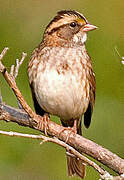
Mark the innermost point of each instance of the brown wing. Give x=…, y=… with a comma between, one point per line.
x=32, y=74
x=37, y=107
x=88, y=113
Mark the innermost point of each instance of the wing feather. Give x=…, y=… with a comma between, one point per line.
x=89, y=111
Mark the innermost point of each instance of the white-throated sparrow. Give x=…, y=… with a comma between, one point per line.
x=61, y=76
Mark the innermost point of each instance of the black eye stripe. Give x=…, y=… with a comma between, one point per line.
x=73, y=24
x=62, y=26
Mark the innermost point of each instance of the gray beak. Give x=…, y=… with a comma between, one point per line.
x=89, y=27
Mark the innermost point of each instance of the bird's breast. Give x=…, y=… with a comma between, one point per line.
x=61, y=84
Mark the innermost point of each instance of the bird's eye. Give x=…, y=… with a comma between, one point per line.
x=73, y=24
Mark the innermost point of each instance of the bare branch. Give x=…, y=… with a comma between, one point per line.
x=10, y=80
x=79, y=143
x=71, y=151
x=15, y=69
x=55, y=140
x=14, y=72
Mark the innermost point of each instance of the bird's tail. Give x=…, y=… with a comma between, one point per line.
x=74, y=165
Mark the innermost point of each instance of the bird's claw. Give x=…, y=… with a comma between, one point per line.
x=44, y=123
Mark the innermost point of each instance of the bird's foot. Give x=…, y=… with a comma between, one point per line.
x=44, y=123
x=71, y=130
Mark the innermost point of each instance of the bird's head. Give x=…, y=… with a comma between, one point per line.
x=68, y=28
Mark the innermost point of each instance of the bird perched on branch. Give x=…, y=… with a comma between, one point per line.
x=62, y=78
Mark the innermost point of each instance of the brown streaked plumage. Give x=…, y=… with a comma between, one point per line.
x=61, y=76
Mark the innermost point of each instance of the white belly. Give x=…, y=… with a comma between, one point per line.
x=62, y=94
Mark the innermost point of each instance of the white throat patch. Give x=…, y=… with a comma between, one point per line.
x=78, y=39
x=84, y=38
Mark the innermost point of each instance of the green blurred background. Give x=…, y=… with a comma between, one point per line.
x=21, y=27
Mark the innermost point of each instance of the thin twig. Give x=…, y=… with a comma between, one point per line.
x=10, y=80
x=61, y=143
x=72, y=152
x=2, y=68
x=14, y=72
x=119, y=55
x=15, y=69
x=3, y=53
x=16, y=134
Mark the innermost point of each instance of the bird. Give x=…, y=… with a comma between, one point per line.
x=61, y=76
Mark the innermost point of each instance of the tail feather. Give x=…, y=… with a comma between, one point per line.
x=75, y=167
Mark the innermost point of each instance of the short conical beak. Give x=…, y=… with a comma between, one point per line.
x=89, y=27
